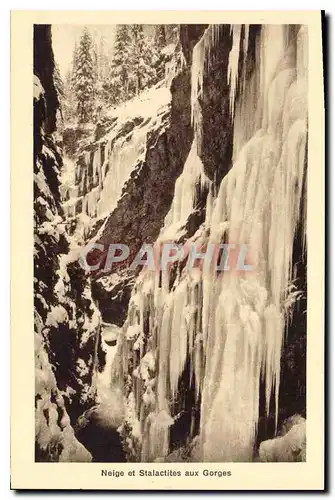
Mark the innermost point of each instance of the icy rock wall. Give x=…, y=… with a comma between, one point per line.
x=147, y=194
x=67, y=323
x=227, y=332
x=106, y=160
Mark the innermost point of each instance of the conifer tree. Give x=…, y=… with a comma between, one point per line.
x=143, y=74
x=83, y=77
x=103, y=64
x=69, y=101
x=116, y=87
x=74, y=65
x=160, y=37
x=59, y=85
x=161, y=57
x=172, y=33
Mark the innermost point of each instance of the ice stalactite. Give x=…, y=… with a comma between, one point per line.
x=201, y=58
x=185, y=193
x=124, y=155
x=234, y=56
x=97, y=166
x=260, y=201
x=101, y=190
x=230, y=326
x=105, y=165
x=170, y=334
x=68, y=188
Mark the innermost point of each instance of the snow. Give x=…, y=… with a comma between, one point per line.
x=53, y=228
x=41, y=183
x=201, y=56
x=51, y=432
x=146, y=105
x=56, y=316
x=184, y=194
x=169, y=49
x=82, y=368
x=259, y=199
x=232, y=326
x=122, y=154
x=288, y=448
x=110, y=332
x=147, y=364
x=91, y=325
x=133, y=331
x=38, y=89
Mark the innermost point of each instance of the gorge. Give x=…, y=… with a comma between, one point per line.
x=176, y=365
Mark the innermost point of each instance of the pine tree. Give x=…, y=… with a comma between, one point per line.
x=69, y=101
x=83, y=77
x=95, y=61
x=58, y=83
x=69, y=107
x=59, y=86
x=160, y=44
x=74, y=65
x=172, y=33
x=160, y=37
x=103, y=63
x=143, y=54
x=116, y=87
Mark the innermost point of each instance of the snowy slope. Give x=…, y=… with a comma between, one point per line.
x=93, y=187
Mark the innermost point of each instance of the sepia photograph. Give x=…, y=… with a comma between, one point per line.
x=186, y=135
x=171, y=237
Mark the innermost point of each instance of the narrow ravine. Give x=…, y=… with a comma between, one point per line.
x=98, y=428
x=203, y=144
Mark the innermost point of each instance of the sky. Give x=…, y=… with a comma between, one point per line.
x=64, y=37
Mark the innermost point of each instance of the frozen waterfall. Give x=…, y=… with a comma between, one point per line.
x=230, y=326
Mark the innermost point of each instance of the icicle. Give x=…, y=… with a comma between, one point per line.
x=157, y=431
x=122, y=160
x=185, y=194
x=178, y=344
x=200, y=56
x=96, y=164
x=260, y=200
x=163, y=360
x=231, y=326
x=234, y=56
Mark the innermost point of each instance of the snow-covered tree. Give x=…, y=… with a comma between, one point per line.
x=143, y=56
x=74, y=64
x=160, y=36
x=59, y=85
x=83, y=77
x=171, y=33
x=116, y=86
x=162, y=57
x=94, y=52
x=69, y=103
x=103, y=63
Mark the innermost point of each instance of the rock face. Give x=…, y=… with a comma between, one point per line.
x=148, y=194
x=109, y=154
x=67, y=323
x=238, y=146
x=148, y=139
x=205, y=160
